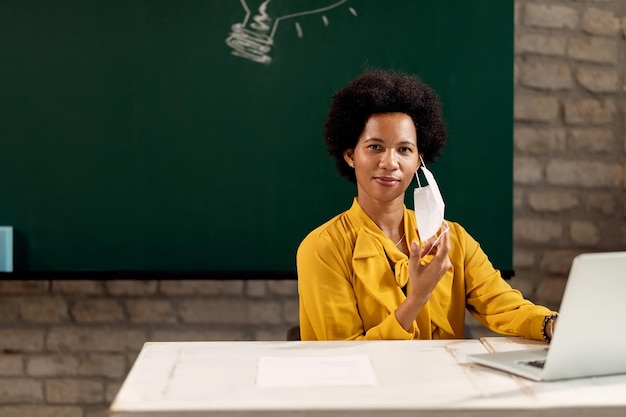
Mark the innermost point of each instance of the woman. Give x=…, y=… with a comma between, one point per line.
x=365, y=274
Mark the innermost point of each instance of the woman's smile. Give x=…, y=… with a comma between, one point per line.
x=387, y=181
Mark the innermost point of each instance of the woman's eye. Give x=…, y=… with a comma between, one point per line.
x=374, y=147
x=406, y=150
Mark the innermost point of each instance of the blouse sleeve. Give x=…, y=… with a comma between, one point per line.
x=491, y=300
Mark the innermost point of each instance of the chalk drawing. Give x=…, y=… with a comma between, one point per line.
x=253, y=38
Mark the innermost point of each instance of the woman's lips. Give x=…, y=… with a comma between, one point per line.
x=387, y=181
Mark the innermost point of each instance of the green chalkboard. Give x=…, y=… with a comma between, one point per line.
x=187, y=136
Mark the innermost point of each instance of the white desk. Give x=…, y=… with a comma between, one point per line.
x=413, y=378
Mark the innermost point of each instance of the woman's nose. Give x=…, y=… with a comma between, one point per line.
x=389, y=160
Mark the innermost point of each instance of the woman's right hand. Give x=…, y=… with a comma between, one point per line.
x=424, y=277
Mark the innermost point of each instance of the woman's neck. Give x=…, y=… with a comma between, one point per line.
x=388, y=216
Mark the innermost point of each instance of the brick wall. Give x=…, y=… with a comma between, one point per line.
x=66, y=346
x=569, y=138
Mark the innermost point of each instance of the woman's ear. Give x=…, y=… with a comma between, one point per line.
x=348, y=155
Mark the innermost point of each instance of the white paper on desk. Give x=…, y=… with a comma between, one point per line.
x=315, y=371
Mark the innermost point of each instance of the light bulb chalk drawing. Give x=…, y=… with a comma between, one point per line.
x=254, y=37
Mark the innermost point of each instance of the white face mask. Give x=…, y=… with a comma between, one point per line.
x=428, y=205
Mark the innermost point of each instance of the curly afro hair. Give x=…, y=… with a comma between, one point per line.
x=378, y=91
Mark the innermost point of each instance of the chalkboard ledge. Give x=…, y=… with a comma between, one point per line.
x=148, y=275
x=164, y=275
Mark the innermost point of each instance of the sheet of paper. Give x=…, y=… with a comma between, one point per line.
x=315, y=371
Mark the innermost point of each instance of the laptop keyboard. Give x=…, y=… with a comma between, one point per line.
x=539, y=363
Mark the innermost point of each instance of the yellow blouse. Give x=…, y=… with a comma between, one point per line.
x=350, y=279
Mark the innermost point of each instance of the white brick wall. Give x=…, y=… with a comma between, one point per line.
x=66, y=345
x=569, y=137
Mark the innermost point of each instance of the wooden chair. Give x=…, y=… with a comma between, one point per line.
x=293, y=333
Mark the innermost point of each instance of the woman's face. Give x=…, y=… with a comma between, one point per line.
x=385, y=157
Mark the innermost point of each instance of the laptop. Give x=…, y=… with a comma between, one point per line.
x=589, y=338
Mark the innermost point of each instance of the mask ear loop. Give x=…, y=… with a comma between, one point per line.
x=418, y=178
x=419, y=184
x=445, y=230
x=418, y=168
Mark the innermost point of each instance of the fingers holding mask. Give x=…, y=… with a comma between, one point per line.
x=425, y=275
x=440, y=250
x=433, y=245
